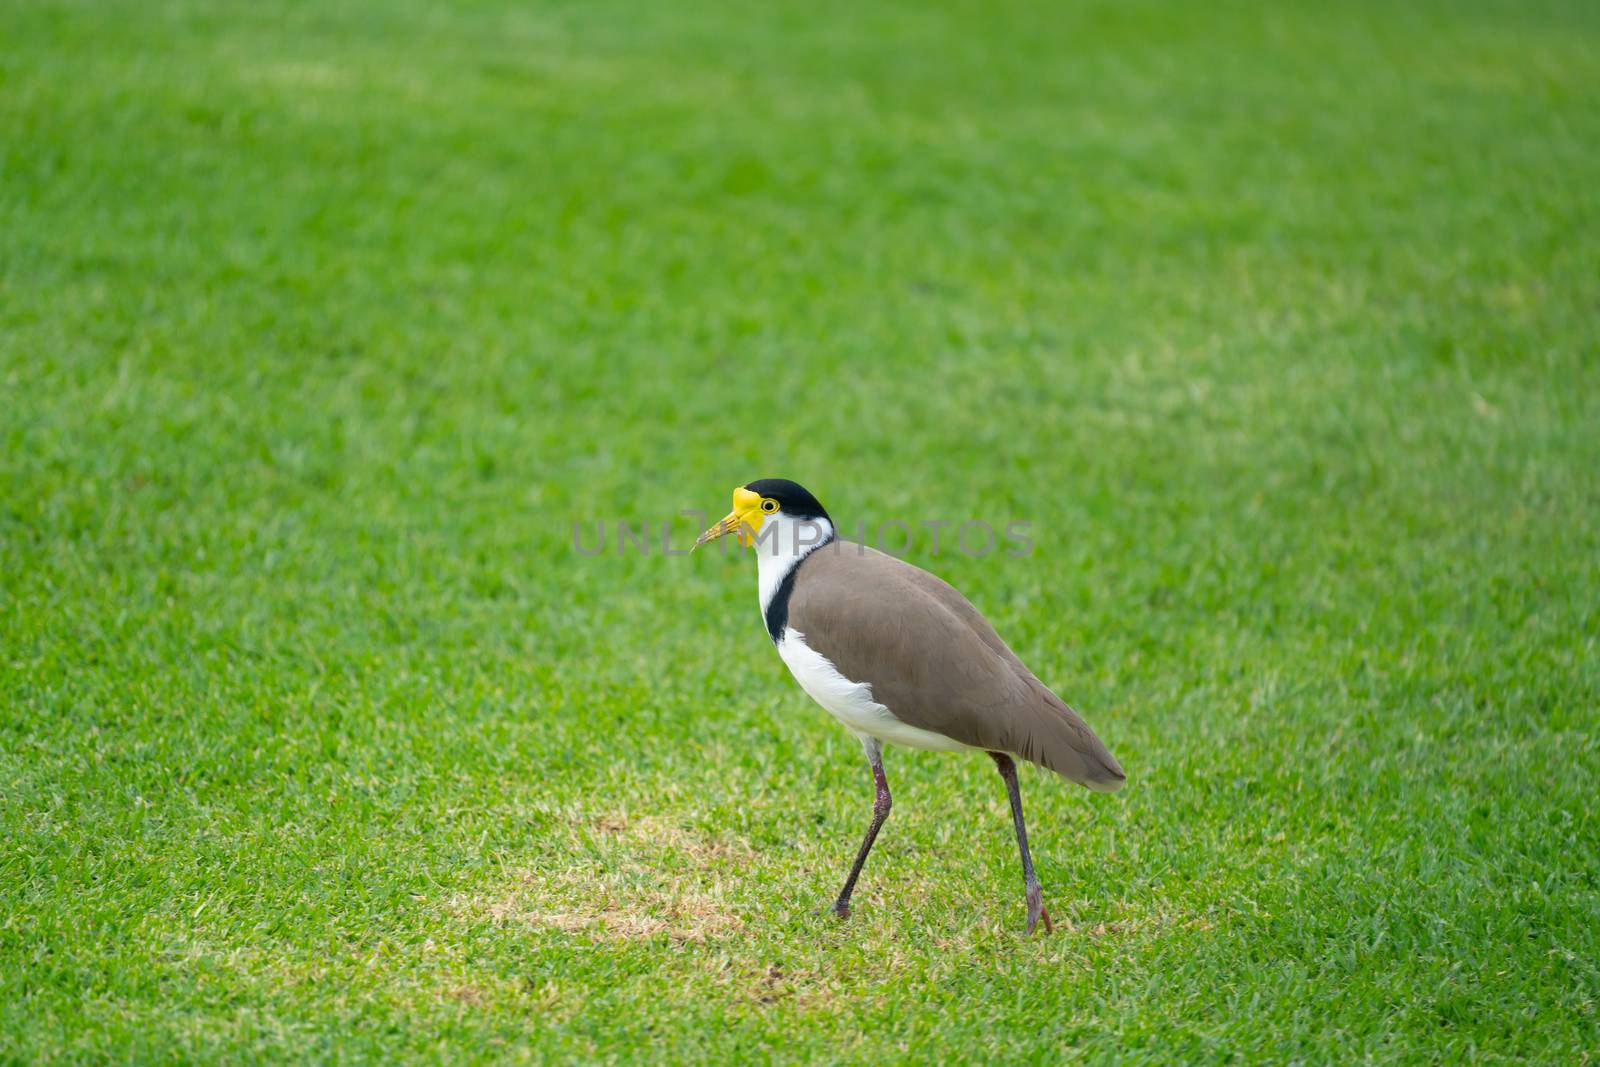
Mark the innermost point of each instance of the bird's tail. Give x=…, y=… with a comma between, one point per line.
x=1056, y=737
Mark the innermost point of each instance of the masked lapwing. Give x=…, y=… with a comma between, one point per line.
x=899, y=657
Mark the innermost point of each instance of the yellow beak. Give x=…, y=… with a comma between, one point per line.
x=744, y=519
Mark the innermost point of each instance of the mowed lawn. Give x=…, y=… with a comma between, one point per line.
x=322, y=324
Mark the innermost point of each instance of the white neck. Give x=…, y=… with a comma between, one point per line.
x=782, y=543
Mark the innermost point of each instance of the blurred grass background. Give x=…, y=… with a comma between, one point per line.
x=320, y=325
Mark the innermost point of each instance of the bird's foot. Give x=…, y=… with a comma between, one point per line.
x=1037, y=912
x=840, y=910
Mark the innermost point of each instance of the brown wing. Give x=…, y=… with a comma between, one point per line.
x=936, y=663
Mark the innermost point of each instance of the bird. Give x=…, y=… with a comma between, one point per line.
x=901, y=658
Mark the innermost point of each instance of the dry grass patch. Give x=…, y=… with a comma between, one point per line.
x=627, y=879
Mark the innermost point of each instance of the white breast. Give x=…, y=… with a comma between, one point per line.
x=851, y=702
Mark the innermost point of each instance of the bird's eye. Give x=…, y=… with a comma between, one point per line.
x=769, y=506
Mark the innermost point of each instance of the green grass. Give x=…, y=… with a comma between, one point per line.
x=321, y=324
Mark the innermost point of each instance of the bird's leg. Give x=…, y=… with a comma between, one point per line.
x=880, y=812
x=1036, y=912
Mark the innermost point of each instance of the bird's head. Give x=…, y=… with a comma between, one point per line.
x=767, y=502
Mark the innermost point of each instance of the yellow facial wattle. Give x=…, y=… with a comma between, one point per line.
x=744, y=520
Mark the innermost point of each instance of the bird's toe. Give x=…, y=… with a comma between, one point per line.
x=1037, y=912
